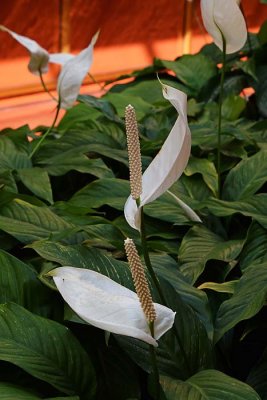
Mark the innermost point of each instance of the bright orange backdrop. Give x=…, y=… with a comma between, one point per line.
x=132, y=34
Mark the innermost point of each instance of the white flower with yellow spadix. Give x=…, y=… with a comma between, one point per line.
x=168, y=165
x=39, y=57
x=73, y=73
x=107, y=305
x=224, y=20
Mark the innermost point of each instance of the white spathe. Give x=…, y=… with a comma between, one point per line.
x=73, y=74
x=106, y=304
x=224, y=17
x=39, y=57
x=169, y=163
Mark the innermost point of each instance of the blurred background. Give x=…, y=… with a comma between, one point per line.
x=132, y=34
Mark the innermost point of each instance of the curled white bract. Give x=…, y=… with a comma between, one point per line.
x=39, y=57
x=108, y=305
x=223, y=18
x=73, y=73
x=169, y=163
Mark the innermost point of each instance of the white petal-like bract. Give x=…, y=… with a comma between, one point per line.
x=60, y=58
x=169, y=163
x=72, y=75
x=108, y=305
x=224, y=17
x=39, y=57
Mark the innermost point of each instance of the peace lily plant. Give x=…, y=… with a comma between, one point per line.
x=225, y=22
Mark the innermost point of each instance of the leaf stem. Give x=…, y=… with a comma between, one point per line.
x=46, y=133
x=220, y=116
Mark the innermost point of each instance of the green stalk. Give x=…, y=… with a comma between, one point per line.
x=147, y=259
x=154, y=364
x=46, y=133
x=45, y=87
x=220, y=117
x=157, y=285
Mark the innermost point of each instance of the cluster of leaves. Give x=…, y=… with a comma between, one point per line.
x=65, y=207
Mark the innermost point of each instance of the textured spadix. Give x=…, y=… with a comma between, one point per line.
x=73, y=73
x=39, y=57
x=108, y=305
x=224, y=17
x=169, y=163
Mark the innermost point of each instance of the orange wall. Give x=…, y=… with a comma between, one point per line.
x=133, y=32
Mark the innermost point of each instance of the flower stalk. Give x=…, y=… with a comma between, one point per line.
x=219, y=132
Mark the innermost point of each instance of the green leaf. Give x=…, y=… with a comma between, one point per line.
x=246, y=178
x=254, y=207
x=226, y=287
x=20, y=284
x=112, y=192
x=254, y=250
x=27, y=222
x=232, y=107
x=200, y=245
x=207, y=385
x=11, y=157
x=247, y=300
x=207, y=169
x=46, y=350
x=37, y=181
x=77, y=116
x=193, y=70
x=74, y=160
x=11, y=392
x=84, y=257
x=121, y=100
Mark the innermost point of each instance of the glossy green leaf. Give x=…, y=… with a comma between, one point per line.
x=207, y=385
x=27, y=222
x=207, y=169
x=193, y=70
x=11, y=157
x=37, y=181
x=112, y=192
x=253, y=206
x=254, y=249
x=247, y=300
x=246, y=178
x=200, y=245
x=46, y=350
x=84, y=257
x=226, y=287
x=20, y=284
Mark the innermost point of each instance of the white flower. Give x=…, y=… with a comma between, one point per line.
x=108, y=305
x=169, y=163
x=72, y=75
x=39, y=57
x=224, y=17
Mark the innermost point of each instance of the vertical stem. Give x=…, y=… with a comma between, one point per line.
x=147, y=259
x=154, y=364
x=157, y=285
x=220, y=117
x=45, y=87
x=46, y=133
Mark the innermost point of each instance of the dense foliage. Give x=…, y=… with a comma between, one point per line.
x=65, y=207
